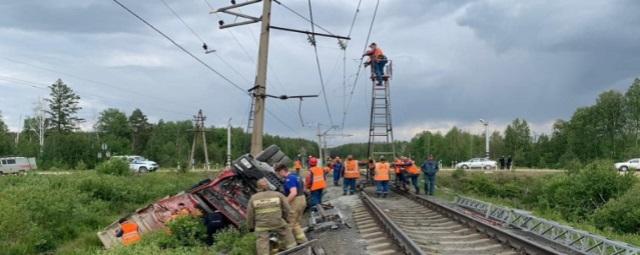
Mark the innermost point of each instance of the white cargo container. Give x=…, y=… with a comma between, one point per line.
x=12, y=165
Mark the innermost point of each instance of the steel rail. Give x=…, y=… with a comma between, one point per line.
x=402, y=240
x=519, y=243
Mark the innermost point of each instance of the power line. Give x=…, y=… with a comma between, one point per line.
x=315, y=50
x=180, y=47
x=355, y=82
x=116, y=88
x=182, y=21
x=38, y=85
x=303, y=17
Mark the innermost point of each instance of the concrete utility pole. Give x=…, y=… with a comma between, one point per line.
x=261, y=80
x=229, y=143
x=260, y=88
x=322, y=143
x=486, y=137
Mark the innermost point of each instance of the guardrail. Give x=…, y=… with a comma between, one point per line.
x=574, y=239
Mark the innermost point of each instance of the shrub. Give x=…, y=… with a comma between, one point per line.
x=188, y=231
x=621, y=214
x=235, y=242
x=579, y=193
x=458, y=174
x=81, y=165
x=114, y=167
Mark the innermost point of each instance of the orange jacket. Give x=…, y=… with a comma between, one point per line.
x=375, y=54
x=382, y=172
x=318, y=182
x=130, y=233
x=412, y=169
x=398, y=166
x=351, y=170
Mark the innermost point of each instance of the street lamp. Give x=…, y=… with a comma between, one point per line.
x=486, y=137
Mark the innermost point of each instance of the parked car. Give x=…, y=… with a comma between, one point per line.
x=479, y=163
x=632, y=164
x=139, y=164
x=17, y=165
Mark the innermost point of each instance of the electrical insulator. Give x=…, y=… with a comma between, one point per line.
x=221, y=22
x=342, y=44
x=311, y=40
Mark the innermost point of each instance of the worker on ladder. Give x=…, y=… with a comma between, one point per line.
x=377, y=60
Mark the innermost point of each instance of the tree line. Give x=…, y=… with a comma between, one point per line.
x=65, y=146
x=608, y=129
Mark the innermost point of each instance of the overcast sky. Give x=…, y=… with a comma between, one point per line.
x=454, y=61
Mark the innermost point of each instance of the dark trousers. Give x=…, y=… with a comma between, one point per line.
x=378, y=69
x=336, y=177
x=401, y=180
x=316, y=198
x=414, y=182
x=382, y=187
x=429, y=184
x=349, y=185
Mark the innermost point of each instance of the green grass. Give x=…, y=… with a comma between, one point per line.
x=61, y=213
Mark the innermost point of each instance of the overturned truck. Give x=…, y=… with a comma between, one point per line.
x=227, y=194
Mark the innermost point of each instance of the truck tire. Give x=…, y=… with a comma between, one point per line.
x=285, y=161
x=267, y=153
x=277, y=157
x=142, y=169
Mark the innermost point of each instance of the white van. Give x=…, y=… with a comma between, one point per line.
x=13, y=165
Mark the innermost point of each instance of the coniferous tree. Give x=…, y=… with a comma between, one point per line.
x=63, y=108
x=140, y=130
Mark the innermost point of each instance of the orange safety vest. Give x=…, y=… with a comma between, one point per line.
x=317, y=181
x=397, y=166
x=297, y=165
x=413, y=169
x=351, y=171
x=382, y=172
x=376, y=53
x=130, y=233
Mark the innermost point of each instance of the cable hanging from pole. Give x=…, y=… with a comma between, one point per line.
x=180, y=46
x=343, y=46
x=315, y=50
x=355, y=81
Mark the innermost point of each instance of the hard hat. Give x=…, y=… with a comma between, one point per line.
x=313, y=161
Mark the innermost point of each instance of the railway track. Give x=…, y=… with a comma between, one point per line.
x=419, y=226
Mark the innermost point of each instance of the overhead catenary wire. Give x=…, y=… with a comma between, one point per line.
x=355, y=81
x=44, y=86
x=195, y=57
x=344, y=66
x=303, y=17
x=182, y=21
x=180, y=47
x=315, y=50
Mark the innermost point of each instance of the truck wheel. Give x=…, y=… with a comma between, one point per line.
x=487, y=167
x=465, y=167
x=285, y=161
x=277, y=157
x=143, y=169
x=267, y=153
x=624, y=168
x=22, y=172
